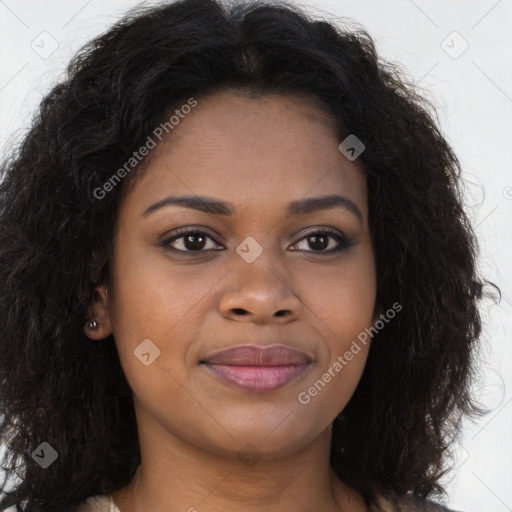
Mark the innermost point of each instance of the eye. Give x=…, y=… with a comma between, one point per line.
x=193, y=240
x=320, y=240
x=189, y=240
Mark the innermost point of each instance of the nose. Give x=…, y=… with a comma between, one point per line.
x=259, y=293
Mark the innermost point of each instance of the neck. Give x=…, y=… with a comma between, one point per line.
x=175, y=475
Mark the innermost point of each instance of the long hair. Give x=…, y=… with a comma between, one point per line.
x=58, y=387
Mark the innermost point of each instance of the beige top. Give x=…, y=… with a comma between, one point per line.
x=101, y=503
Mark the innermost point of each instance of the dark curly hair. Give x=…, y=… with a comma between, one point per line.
x=56, y=243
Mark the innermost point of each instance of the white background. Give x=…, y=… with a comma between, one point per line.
x=473, y=97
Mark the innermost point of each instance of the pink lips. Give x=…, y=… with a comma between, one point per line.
x=257, y=368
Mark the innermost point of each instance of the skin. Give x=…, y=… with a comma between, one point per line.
x=260, y=155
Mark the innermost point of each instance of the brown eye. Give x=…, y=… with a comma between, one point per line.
x=194, y=241
x=190, y=240
x=319, y=241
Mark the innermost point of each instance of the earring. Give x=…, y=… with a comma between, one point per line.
x=93, y=325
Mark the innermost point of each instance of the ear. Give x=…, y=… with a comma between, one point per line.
x=99, y=313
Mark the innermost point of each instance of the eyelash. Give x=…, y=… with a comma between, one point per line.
x=343, y=242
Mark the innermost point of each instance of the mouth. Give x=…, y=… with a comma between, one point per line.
x=256, y=368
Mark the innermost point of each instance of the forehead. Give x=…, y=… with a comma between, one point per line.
x=251, y=151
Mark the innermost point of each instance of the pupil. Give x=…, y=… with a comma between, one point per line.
x=323, y=245
x=194, y=240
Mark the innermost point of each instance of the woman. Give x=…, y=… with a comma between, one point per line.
x=238, y=272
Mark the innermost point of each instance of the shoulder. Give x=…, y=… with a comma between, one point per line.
x=407, y=503
x=98, y=503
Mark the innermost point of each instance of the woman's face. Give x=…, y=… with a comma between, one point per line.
x=256, y=276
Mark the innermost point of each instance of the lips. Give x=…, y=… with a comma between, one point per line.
x=257, y=368
x=253, y=355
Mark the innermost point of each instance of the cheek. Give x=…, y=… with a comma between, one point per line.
x=344, y=316
x=342, y=298
x=153, y=296
x=342, y=305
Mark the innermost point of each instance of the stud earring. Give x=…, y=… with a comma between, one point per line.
x=93, y=325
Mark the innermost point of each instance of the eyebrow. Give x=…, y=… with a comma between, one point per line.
x=217, y=207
